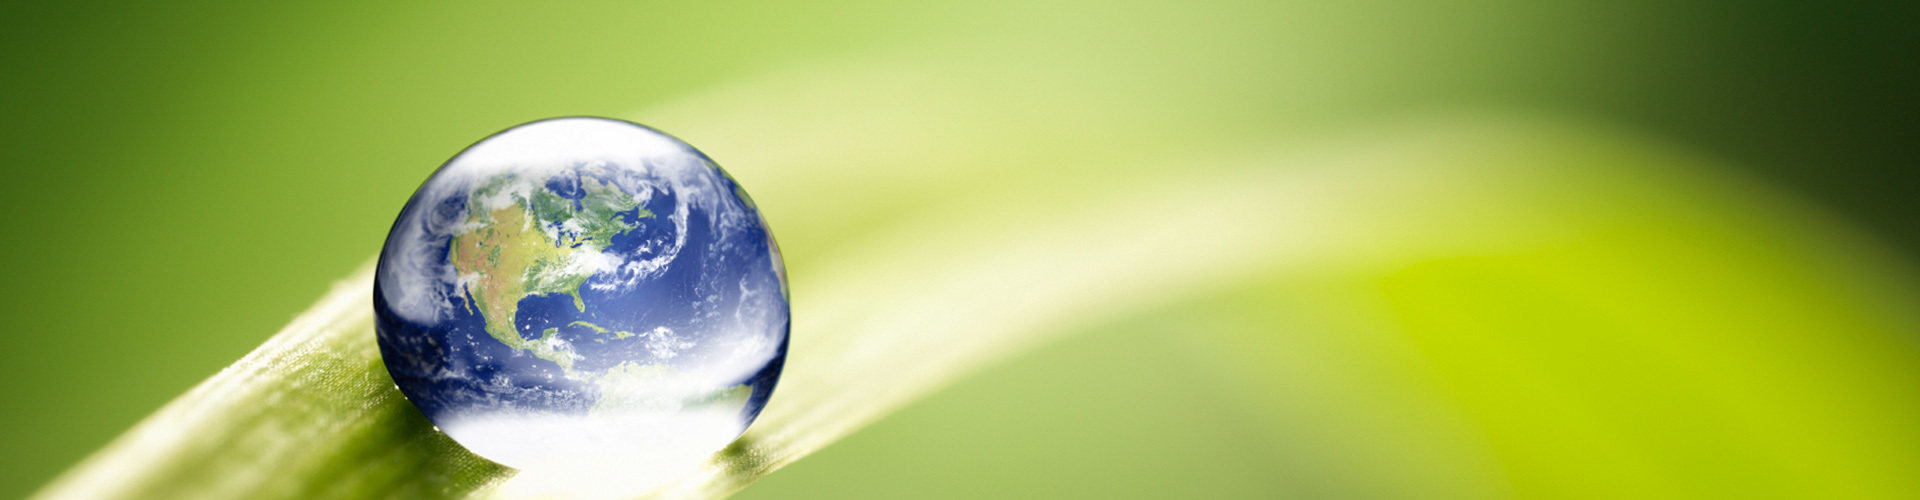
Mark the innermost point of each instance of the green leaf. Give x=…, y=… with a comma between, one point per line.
x=1472, y=217
x=928, y=238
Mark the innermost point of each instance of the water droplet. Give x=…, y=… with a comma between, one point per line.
x=580, y=294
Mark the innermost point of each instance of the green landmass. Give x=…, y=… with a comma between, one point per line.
x=510, y=256
x=621, y=334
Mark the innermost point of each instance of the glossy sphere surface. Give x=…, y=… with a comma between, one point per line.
x=583, y=292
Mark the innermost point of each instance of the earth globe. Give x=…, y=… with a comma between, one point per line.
x=583, y=294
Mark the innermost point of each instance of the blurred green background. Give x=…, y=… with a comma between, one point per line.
x=185, y=177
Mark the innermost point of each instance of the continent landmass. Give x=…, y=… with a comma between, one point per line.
x=502, y=257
